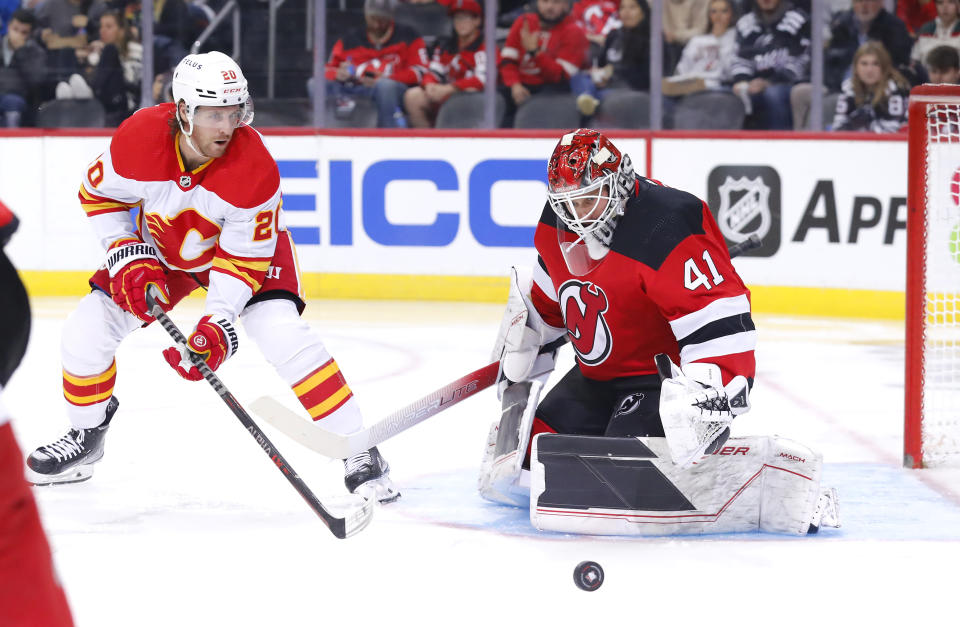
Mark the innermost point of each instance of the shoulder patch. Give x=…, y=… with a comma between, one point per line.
x=655, y=221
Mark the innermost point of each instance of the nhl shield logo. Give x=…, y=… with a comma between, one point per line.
x=749, y=213
x=186, y=181
x=745, y=200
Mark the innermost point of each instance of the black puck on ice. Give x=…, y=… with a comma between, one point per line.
x=588, y=576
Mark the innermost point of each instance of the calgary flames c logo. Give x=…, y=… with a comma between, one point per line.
x=583, y=305
x=187, y=240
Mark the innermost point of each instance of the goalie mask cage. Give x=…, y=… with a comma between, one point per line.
x=932, y=384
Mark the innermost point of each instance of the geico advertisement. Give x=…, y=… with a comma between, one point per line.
x=437, y=206
x=830, y=213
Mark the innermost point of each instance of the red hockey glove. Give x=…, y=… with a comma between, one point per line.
x=133, y=269
x=213, y=340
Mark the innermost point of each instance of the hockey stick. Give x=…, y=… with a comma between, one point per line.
x=340, y=527
x=338, y=446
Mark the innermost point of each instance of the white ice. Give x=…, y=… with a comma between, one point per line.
x=186, y=522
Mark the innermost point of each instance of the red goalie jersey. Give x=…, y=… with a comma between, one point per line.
x=222, y=218
x=666, y=286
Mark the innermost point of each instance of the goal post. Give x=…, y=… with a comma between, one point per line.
x=932, y=378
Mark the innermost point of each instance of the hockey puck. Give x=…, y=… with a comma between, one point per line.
x=588, y=576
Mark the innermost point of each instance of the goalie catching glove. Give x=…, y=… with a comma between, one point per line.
x=522, y=335
x=135, y=267
x=696, y=409
x=214, y=341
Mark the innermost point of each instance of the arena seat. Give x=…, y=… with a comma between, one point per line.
x=711, y=109
x=465, y=110
x=623, y=108
x=86, y=113
x=548, y=111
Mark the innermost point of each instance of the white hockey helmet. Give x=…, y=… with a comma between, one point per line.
x=211, y=79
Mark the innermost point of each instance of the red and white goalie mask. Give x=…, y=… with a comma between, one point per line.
x=588, y=184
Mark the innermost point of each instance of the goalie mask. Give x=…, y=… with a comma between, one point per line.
x=588, y=184
x=214, y=81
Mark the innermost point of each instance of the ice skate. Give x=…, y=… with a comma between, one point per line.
x=826, y=513
x=367, y=474
x=71, y=458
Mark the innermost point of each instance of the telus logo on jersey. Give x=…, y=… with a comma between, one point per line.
x=745, y=199
x=583, y=305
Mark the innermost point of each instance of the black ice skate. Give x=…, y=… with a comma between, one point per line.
x=367, y=474
x=71, y=458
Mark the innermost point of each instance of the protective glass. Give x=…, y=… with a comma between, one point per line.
x=229, y=117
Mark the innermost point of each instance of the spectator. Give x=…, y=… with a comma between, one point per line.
x=65, y=26
x=7, y=7
x=115, y=66
x=944, y=30
x=624, y=62
x=707, y=58
x=874, y=98
x=682, y=20
x=379, y=61
x=458, y=64
x=773, y=54
x=544, y=49
x=943, y=65
x=22, y=68
x=916, y=13
x=597, y=18
x=867, y=20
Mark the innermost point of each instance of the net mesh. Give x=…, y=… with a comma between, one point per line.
x=941, y=329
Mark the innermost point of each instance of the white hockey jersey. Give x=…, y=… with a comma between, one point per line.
x=223, y=216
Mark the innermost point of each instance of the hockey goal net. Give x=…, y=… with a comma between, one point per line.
x=932, y=387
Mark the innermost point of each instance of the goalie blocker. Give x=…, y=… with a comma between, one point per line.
x=629, y=486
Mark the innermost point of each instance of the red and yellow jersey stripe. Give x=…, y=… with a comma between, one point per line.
x=95, y=205
x=250, y=270
x=89, y=390
x=323, y=391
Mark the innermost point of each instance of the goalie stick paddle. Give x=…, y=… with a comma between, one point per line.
x=338, y=446
x=340, y=527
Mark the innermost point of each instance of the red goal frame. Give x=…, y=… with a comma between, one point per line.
x=916, y=294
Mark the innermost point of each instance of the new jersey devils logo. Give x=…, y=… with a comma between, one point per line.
x=583, y=305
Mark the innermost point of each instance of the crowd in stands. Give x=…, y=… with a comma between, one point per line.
x=750, y=57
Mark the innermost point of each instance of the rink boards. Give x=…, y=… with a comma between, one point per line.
x=429, y=216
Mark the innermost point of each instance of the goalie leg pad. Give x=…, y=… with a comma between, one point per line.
x=502, y=478
x=628, y=486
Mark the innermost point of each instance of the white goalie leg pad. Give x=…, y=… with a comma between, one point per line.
x=791, y=487
x=750, y=484
x=295, y=350
x=502, y=479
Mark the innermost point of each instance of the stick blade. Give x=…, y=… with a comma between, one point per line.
x=306, y=432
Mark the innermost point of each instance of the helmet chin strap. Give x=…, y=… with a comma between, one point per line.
x=189, y=136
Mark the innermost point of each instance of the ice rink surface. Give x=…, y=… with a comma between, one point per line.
x=186, y=522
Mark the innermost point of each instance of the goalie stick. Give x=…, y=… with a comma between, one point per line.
x=337, y=446
x=340, y=527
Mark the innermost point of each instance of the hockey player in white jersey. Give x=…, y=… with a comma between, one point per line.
x=207, y=193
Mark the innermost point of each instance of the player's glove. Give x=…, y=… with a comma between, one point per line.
x=696, y=409
x=213, y=340
x=133, y=268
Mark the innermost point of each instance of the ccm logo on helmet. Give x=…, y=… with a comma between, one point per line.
x=234, y=90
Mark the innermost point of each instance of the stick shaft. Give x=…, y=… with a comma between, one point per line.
x=340, y=527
